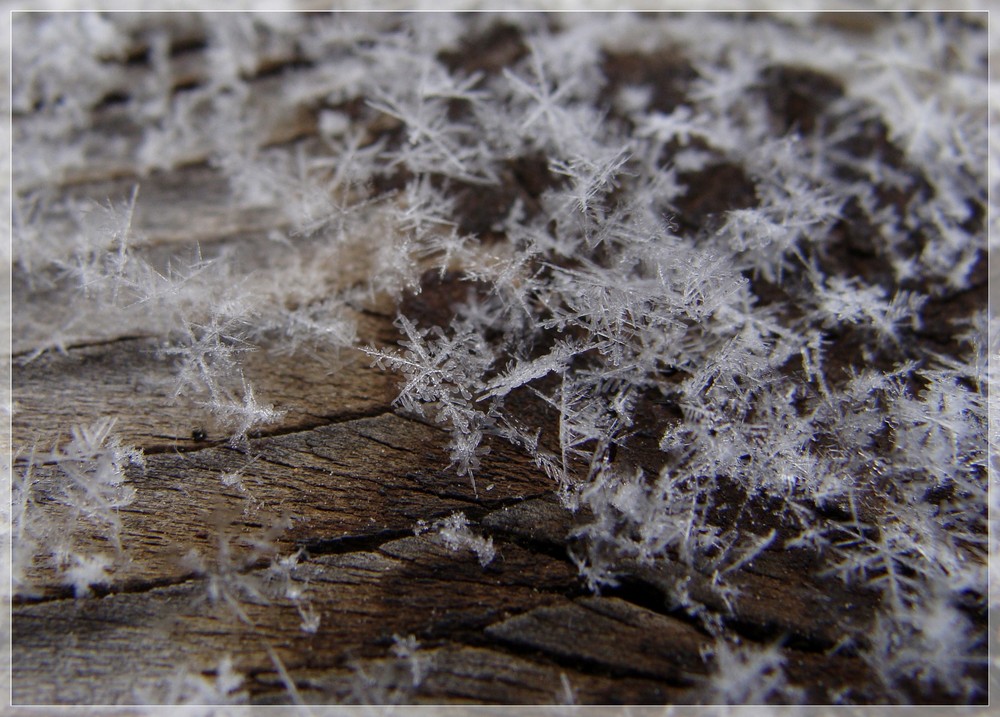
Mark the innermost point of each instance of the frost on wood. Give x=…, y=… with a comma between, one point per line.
x=454, y=533
x=90, y=485
x=720, y=279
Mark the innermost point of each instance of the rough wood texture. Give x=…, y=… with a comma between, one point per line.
x=355, y=488
x=343, y=477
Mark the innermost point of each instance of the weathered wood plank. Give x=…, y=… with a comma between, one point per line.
x=132, y=380
x=610, y=650
x=120, y=648
x=364, y=477
x=342, y=479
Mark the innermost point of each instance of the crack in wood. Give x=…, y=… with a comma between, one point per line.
x=26, y=356
x=364, y=542
x=128, y=587
x=367, y=311
x=334, y=419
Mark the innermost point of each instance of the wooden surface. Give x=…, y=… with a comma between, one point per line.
x=354, y=477
x=344, y=476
